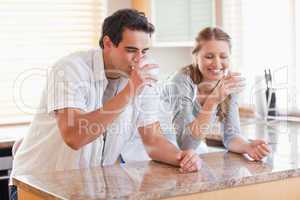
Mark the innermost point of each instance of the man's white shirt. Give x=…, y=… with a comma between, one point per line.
x=79, y=81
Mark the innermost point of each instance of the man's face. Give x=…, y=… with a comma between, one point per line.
x=133, y=47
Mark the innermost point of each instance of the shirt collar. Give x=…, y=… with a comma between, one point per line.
x=98, y=66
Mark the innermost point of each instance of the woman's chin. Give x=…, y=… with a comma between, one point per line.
x=214, y=78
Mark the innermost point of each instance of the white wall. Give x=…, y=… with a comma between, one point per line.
x=169, y=58
x=114, y=5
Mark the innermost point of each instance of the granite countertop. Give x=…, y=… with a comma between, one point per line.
x=9, y=134
x=152, y=180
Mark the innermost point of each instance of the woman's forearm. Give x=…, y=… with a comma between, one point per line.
x=201, y=124
x=238, y=145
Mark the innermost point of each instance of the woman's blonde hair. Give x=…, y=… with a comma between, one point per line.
x=208, y=34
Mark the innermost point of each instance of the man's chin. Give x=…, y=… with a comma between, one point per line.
x=125, y=75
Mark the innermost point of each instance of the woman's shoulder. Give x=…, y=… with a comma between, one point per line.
x=181, y=78
x=234, y=98
x=179, y=84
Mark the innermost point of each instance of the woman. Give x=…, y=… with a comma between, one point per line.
x=206, y=92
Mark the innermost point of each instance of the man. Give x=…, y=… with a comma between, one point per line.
x=94, y=102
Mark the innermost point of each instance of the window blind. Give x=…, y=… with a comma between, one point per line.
x=180, y=21
x=33, y=35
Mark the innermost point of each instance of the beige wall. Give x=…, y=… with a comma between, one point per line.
x=169, y=58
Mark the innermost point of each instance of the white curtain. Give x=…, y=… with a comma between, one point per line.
x=33, y=35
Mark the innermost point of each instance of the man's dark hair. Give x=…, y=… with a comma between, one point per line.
x=114, y=25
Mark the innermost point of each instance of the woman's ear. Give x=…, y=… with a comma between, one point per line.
x=107, y=43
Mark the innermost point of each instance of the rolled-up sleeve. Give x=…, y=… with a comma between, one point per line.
x=180, y=92
x=232, y=122
x=68, y=84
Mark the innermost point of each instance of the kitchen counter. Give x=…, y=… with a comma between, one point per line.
x=9, y=134
x=223, y=175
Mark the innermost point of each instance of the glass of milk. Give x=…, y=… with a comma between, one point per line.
x=154, y=71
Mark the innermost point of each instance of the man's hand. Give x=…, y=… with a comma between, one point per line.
x=189, y=161
x=141, y=76
x=258, y=149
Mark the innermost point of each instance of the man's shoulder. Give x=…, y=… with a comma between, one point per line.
x=80, y=63
x=79, y=57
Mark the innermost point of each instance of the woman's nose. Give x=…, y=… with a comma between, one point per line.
x=217, y=63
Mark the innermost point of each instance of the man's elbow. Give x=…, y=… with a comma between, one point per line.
x=73, y=144
x=70, y=139
x=151, y=152
x=151, y=147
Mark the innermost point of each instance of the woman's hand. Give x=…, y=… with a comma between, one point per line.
x=257, y=149
x=233, y=83
x=189, y=161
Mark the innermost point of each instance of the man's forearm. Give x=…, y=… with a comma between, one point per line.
x=164, y=151
x=109, y=111
x=157, y=146
x=160, y=149
x=86, y=127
